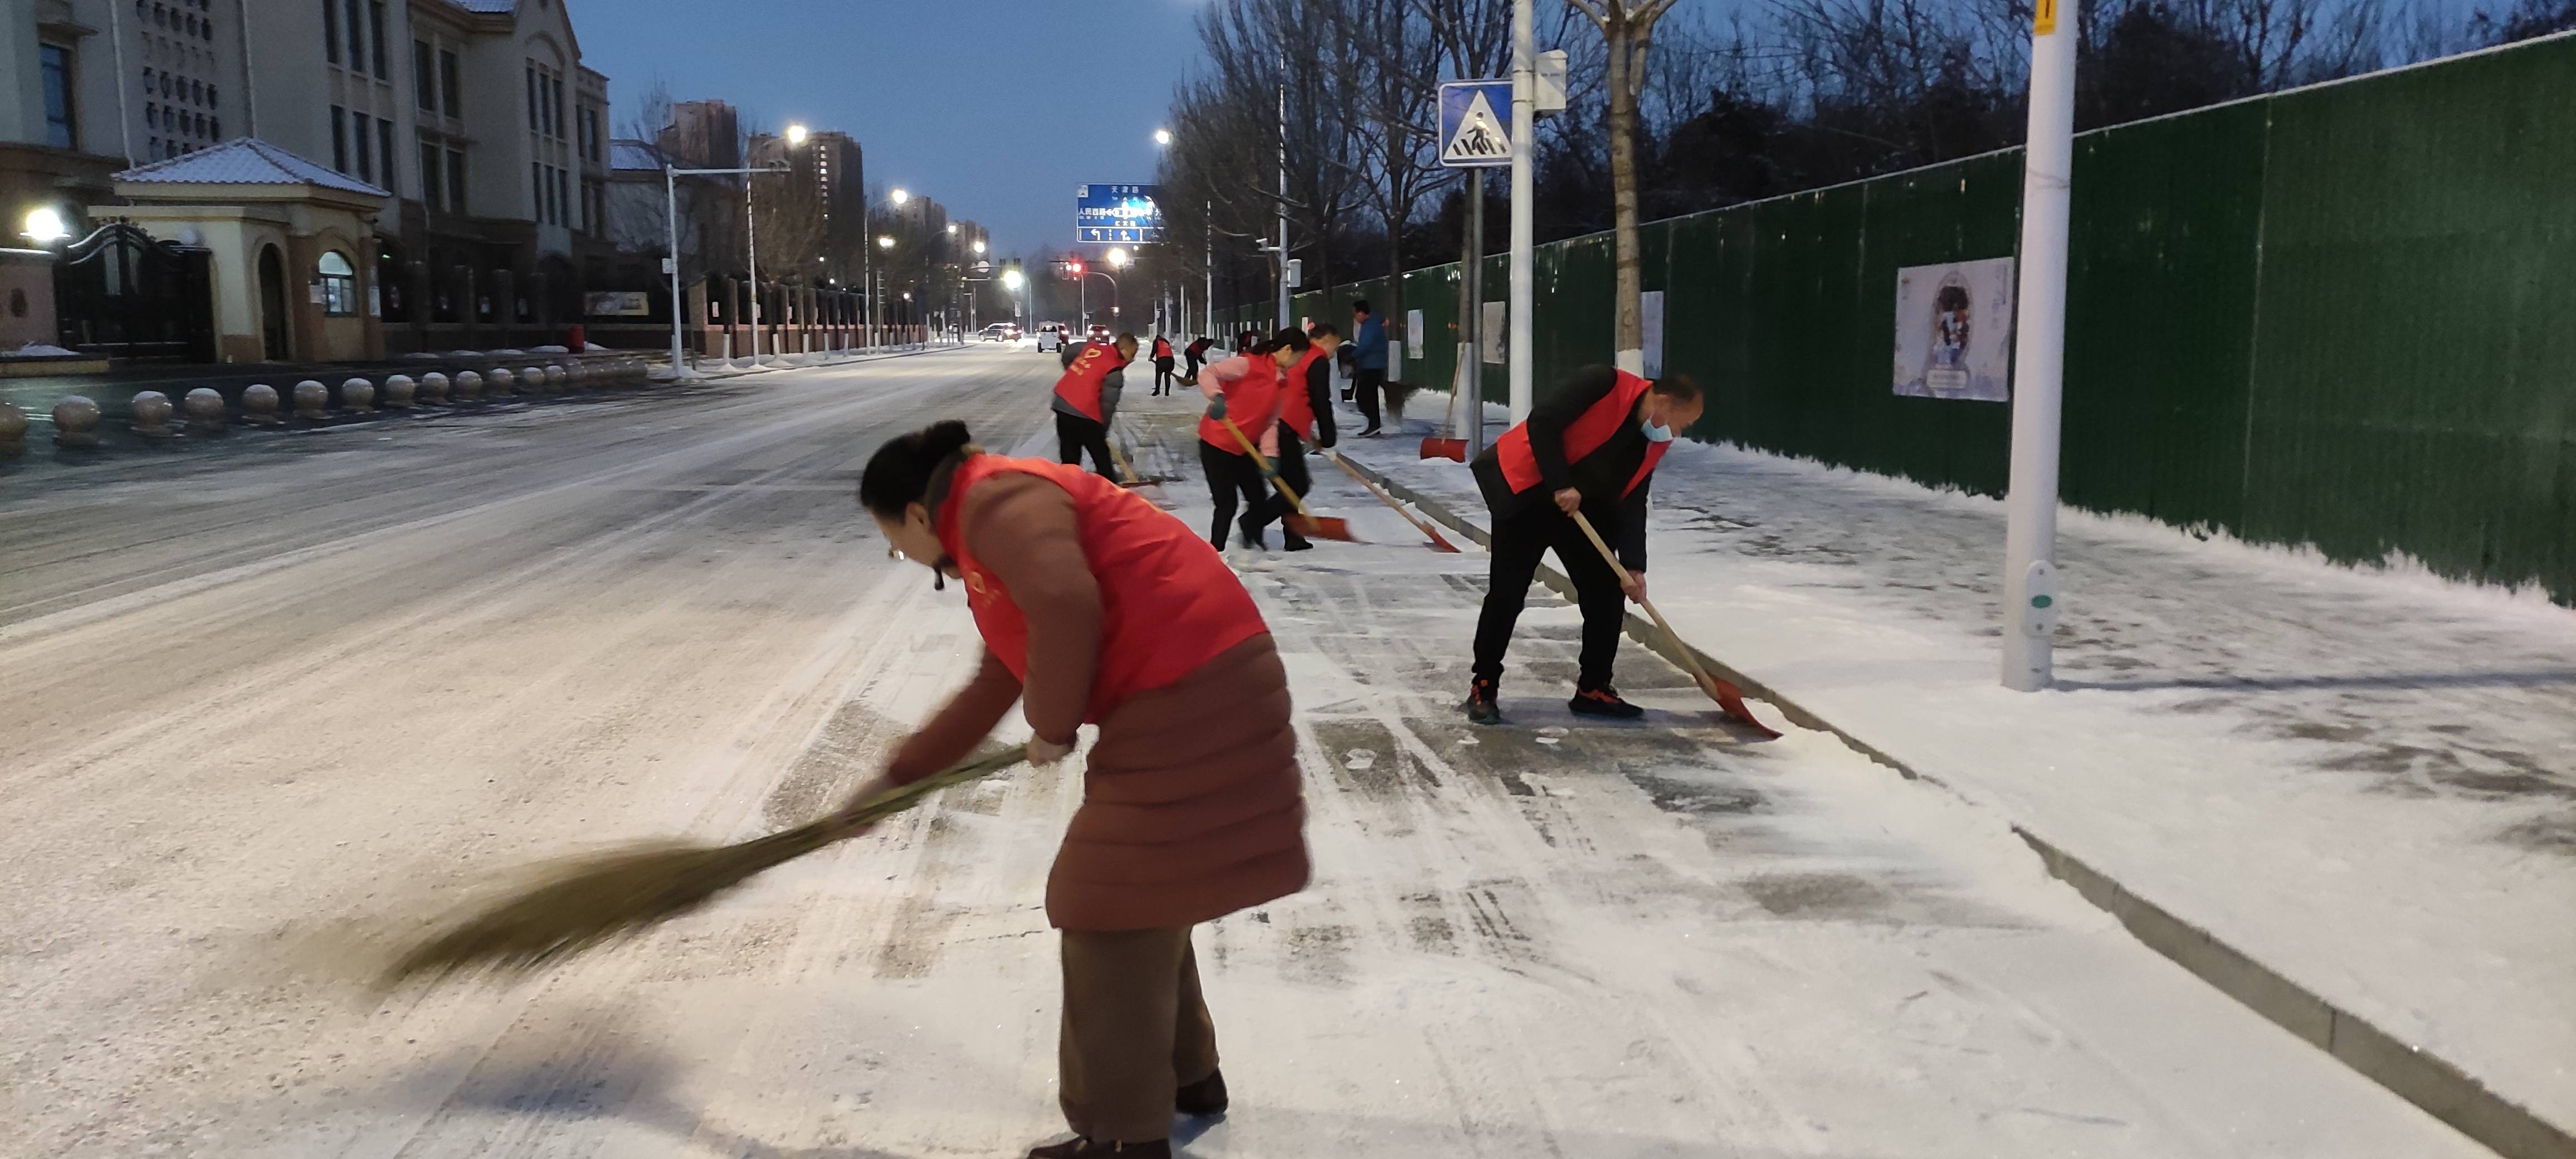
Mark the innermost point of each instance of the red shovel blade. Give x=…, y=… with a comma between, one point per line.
x=1731, y=698
x=1321, y=527
x=1435, y=447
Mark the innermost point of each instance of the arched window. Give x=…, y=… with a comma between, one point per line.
x=339, y=285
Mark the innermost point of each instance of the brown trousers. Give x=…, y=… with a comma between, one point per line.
x=1135, y=1030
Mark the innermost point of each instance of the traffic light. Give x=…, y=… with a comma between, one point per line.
x=1074, y=267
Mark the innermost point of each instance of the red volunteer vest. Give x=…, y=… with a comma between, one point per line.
x=1296, y=407
x=1081, y=382
x=1162, y=349
x=1168, y=602
x=1252, y=401
x=1599, y=422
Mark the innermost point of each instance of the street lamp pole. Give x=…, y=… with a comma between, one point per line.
x=671, y=211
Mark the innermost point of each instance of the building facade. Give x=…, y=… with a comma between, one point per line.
x=476, y=117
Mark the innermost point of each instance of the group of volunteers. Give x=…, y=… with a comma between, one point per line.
x=1097, y=607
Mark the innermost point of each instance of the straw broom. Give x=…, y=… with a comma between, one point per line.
x=591, y=901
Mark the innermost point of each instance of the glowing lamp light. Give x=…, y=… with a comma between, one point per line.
x=796, y=134
x=45, y=225
x=885, y=241
x=1013, y=279
x=1162, y=136
x=979, y=245
x=1118, y=257
x=899, y=196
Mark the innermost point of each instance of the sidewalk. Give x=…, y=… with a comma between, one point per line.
x=2365, y=783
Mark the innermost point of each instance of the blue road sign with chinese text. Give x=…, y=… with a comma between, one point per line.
x=1117, y=214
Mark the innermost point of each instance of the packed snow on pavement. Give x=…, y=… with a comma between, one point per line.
x=260, y=716
x=2361, y=778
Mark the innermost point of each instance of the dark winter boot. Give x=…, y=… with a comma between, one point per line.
x=1603, y=702
x=1481, y=707
x=1203, y=1098
x=1089, y=1149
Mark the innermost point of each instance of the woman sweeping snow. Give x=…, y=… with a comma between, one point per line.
x=1098, y=608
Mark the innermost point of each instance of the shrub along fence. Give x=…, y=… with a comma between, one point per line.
x=2342, y=316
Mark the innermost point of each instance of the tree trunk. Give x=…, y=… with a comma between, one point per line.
x=1631, y=332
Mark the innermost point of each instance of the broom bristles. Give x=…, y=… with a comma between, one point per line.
x=591, y=901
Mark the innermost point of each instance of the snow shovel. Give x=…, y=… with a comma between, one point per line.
x=1302, y=522
x=1437, y=542
x=1727, y=696
x=1151, y=489
x=1449, y=446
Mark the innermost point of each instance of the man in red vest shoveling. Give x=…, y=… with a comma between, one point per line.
x=1590, y=451
x=1086, y=399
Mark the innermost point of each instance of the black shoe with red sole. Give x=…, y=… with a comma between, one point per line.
x=1481, y=705
x=1603, y=702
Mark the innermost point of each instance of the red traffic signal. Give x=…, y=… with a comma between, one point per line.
x=1074, y=268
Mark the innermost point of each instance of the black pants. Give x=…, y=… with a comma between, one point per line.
x=1075, y=434
x=1162, y=376
x=1292, y=471
x=1366, y=384
x=1518, y=543
x=1229, y=476
x=1194, y=368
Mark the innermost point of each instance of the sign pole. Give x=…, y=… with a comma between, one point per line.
x=2039, y=353
x=1524, y=206
x=1473, y=377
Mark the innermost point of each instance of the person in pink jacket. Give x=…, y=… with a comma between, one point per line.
x=1244, y=389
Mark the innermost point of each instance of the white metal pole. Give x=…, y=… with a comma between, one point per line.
x=671, y=208
x=751, y=239
x=1472, y=420
x=1524, y=277
x=1207, y=300
x=1284, y=322
x=2039, y=353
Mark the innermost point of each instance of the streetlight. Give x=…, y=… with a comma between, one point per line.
x=671, y=208
x=1163, y=137
x=796, y=134
x=1118, y=256
x=899, y=196
x=979, y=245
x=45, y=225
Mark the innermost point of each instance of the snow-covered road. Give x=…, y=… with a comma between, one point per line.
x=258, y=710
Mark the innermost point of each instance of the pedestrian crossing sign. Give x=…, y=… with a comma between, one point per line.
x=1473, y=130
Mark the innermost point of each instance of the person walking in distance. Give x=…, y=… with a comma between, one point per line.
x=1097, y=608
x=1162, y=365
x=1590, y=447
x=1086, y=400
x=1305, y=419
x=1368, y=364
x=1244, y=389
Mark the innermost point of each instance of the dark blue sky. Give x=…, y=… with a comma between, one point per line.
x=996, y=108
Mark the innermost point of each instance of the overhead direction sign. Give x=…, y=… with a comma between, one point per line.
x=1117, y=214
x=1474, y=133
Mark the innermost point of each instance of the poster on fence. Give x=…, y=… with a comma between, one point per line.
x=1650, y=311
x=1954, y=330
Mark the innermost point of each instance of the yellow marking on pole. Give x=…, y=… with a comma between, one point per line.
x=2044, y=18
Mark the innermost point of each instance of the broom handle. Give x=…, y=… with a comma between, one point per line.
x=1387, y=499
x=1688, y=659
x=902, y=797
x=1275, y=480
x=1123, y=465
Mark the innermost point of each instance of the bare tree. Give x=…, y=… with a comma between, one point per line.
x=1627, y=29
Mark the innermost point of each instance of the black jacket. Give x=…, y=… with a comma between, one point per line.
x=1319, y=398
x=1599, y=475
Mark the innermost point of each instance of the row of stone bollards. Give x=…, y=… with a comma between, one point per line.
x=76, y=418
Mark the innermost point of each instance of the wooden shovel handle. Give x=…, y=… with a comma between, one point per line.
x=1688, y=660
x=1257, y=457
x=1389, y=500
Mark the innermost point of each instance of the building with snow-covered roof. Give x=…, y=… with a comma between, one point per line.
x=286, y=238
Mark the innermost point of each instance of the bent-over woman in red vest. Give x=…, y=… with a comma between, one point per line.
x=1245, y=390
x=1590, y=446
x=1096, y=607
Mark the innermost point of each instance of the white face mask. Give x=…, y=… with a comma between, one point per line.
x=1656, y=432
